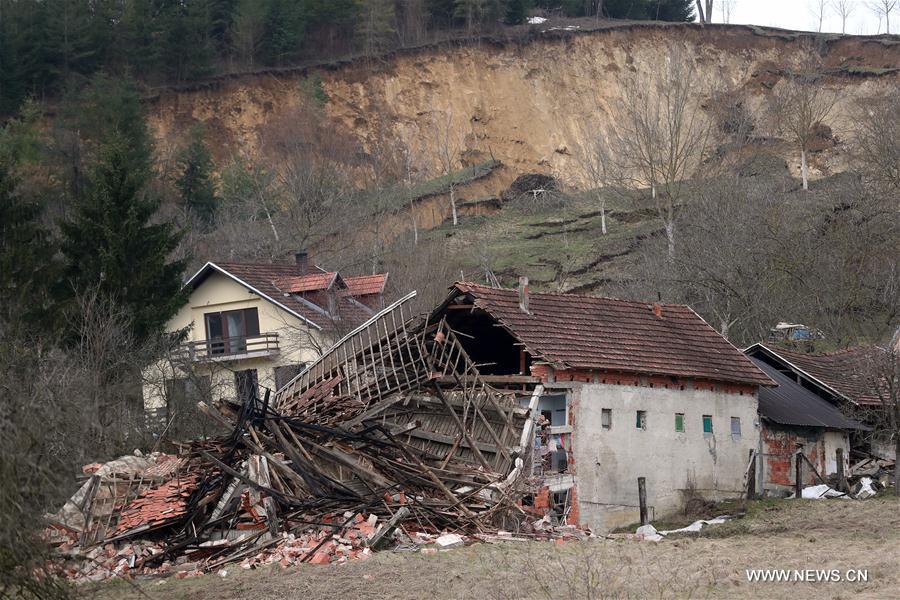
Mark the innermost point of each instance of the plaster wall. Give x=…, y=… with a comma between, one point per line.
x=298, y=342
x=607, y=462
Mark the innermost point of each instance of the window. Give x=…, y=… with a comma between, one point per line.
x=606, y=418
x=227, y=331
x=679, y=422
x=285, y=373
x=707, y=425
x=641, y=419
x=735, y=427
x=246, y=385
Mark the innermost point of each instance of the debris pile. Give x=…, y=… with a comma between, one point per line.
x=390, y=438
x=880, y=472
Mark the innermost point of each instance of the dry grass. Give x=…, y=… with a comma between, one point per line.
x=784, y=534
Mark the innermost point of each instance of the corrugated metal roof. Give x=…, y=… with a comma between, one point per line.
x=792, y=404
x=589, y=332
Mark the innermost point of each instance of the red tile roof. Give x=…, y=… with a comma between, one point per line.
x=267, y=279
x=844, y=371
x=588, y=332
x=366, y=284
x=307, y=283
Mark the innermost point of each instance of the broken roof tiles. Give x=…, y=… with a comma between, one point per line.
x=572, y=331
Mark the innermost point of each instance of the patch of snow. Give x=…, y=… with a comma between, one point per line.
x=536, y=20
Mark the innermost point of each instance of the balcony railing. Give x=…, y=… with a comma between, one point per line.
x=232, y=348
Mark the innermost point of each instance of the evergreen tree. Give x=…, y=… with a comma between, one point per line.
x=516, y=11
x=112, y=245
x=672, y=10
x=284, y=26
x=26, y=257
x=195, y=184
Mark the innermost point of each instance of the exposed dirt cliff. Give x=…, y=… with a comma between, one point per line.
x=524, y=102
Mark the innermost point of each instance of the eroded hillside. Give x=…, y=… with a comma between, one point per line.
x=524, y=102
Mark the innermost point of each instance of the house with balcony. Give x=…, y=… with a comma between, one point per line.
x=251, y=327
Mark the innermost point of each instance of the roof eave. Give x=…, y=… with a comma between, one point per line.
x=818, y=381
x=261, y=294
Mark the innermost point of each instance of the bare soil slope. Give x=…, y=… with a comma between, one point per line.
x=523, y=101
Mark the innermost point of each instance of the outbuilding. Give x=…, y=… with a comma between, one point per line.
x=631, y=389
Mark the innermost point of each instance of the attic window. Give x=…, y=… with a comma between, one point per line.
x=641, y=419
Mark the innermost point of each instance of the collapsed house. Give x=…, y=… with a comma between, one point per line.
x=626, y=390
x=795, y=419
x=392, y=432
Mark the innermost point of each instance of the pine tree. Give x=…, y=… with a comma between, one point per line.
x=26, y=257
x=516, y=11
x=195, y=184
x=672, y=10
x=112, y=245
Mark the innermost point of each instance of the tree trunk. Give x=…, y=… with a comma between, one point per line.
x=453, y=204
x=603, y=220
x=700, y=15
x=804, y=169
x=670, y=239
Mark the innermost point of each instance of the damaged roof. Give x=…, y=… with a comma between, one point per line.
x=302, y=294
x=842, y=372
x=789, y=403
x=596, y=333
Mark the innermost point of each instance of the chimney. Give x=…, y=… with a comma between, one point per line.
x=302, y=259
x=523, y=295
x=657, y=310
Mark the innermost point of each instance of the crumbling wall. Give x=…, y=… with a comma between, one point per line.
x=779, y=445
x=676, y=464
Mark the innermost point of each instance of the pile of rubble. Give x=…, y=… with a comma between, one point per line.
x=390, y=439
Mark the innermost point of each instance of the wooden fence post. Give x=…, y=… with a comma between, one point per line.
x=751, y=476
x=841, y=481
x=798, y=474
x=642, y=499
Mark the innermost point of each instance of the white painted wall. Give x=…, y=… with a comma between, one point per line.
x=608, y=462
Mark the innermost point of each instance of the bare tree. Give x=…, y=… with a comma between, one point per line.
x=727, y=9
x=705, y=15
x=883, y=377
x=884, y=8
x=877, y=139
x=661, y=137
x=801, y=104
x=843, y=9
x=448, y=145
x=594, y=159
x=817, y=9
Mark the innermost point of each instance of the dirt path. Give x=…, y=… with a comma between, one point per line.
x=826, y=535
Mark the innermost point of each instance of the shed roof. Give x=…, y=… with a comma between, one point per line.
x=843, y=371
x=590, y=332
x=789, y=403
